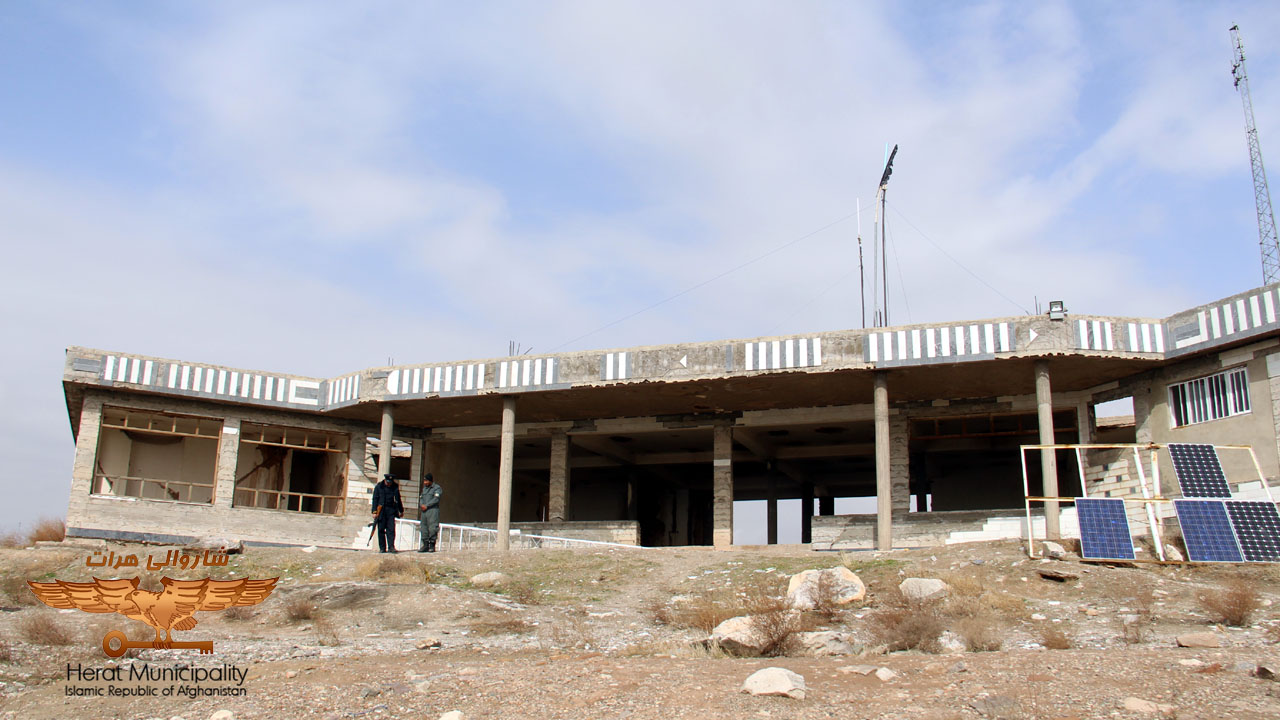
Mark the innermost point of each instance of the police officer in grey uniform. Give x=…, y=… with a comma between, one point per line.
x=429, y=513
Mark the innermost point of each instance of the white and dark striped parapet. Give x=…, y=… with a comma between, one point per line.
x=1230, y=320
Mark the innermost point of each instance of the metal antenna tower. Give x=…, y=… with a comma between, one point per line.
x=882, y=314
x=1261, y=193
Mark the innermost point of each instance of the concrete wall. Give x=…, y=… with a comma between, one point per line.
x=468, y=479
x=857, y=532
x=625, y=532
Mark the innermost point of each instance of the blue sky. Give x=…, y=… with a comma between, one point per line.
x=255, y=184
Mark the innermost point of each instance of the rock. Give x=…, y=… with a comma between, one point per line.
x=885, y=674
x=857, y=669
x=1172, y=553
x=1053, y=550
x=738, y=636
x=951, y=643
x=291, y=674
x=422, y=686
x=1266, y=672
x=845, y=587
x=228, y=545
x=1057, y=575
x=923, y=588
x=997, y=706
x=452, y=715
x=489, y=579
x=1091, y=612
x=775, y=681
x=429, y=643
x=309, y=549
x=826, y=643
x=959, y=667
x=1037, y=616
x=1133, y=704
x=468, y=671
x=370, y=692
x=978, y=561
x=1190, y=662
x=223, y=715
x=1199, y=640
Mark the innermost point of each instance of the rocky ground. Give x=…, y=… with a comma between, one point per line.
x=622, y=634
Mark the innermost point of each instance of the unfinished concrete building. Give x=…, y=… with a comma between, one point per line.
x=651, y=445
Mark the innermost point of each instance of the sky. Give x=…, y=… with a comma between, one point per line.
x=316, y=188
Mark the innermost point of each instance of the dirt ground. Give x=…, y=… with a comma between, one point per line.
x=596, y=634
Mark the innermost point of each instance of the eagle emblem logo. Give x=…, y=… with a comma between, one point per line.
x=166, y=611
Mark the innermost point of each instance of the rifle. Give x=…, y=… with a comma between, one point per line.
x=373, y=526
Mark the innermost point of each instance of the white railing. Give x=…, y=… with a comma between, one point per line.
x=468, y=537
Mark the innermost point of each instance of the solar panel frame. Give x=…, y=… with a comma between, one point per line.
x=1257, y=527
x=1104, y=529
x=1207, y=531
x=1199, y=471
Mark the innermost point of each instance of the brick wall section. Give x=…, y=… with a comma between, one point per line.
x=899, y=462
x=100, y=515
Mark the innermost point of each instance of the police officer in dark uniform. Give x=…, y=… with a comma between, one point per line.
x=429, y=513
x=386, y=508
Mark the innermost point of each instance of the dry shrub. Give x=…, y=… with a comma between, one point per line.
x=1235, y=604
x=6, y=652
x=570, y=631
x=775, y=628
x=826, y=598
x=523, y=592
x=1005, y=604
x=43, y=629
x=239, y=613
x=498, y=622
x=968, y=585
x=12, y=540
x=909, y=626
x=297, y=609
x=704, y=612
x=981, y=633
x=1054, y=638
x=326, y=631
x=394, y=569
x=17, y=590
x=48, y=530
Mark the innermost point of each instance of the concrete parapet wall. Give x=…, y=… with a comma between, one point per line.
x=623, y=532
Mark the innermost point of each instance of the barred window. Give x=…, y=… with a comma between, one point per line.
x=1210, y=398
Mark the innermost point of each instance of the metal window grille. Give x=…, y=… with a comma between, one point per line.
x=1210, y=398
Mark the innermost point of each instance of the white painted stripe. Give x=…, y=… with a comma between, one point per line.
x=393, y=385
x=245, y=384
x=915, y=343
x=1254, y=311
x=1213, y=323
x=524, y=374
x=1158, y=331
x=608, y=366
x=789, y=354
x=1270, y=305
x=332, y=389
x=902, y=345
x=197, y=376
x=1095, y=340
x=959, y=333
x=1082, y=335
x=135, y=367
x=208, y=380
x=471, y=377
x=551, y=371
x=975, y=345
x=990, y=332
x=874, y=339
x=222, y=382
x=235, y=383
x=762, y=355
x=1228, y=320
x=146, y=372
x=888, y=345
x=109, y=368
x=448, y=378
x=270, y=390
x=257, y=387
x=777, y=355
x=293, y=392
x=748, y=356
x=1106, y=331
x=1240, y=316
x=1133, y=337
x=355, y=387
x=438, y=373
x=415, y=384
x=186, y=377
x=946, y=342
x=480, y=376
x=502, y=375
x=537, y=371
x=622, y=366
x=817, y=352
x=930, y=343
x=804, y=352
x=1146, y=337
x=457, y=378
x=173, y=376
x=122, y=369
x=1004, y=337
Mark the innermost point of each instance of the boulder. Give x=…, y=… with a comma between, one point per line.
x=452, y=715
x=1053, y=550
x=923, y=588
x=738, y=636
x=845, y=587
x=775, y=681
x=1134, y=704
x=228, y=545
x=489, y=579
x=885, y=674
x=1199, y=640
x=951, y=643
x=826, y=643
x=1172, y=553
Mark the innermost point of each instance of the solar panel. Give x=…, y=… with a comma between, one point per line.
x=1104, y=529
x=1257, y=526
x=1206, y=530
x=1198, y=470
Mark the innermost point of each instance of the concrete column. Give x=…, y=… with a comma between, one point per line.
x=558, y=495
x=82, y=469
x=826, y=505
x=384, y=440
x=806, y=513
x=416, y=465
x=506, y=461
x=1048, y=461
x=771, y=503
x=884, y=485
x=722, y=486
x=224, y=482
